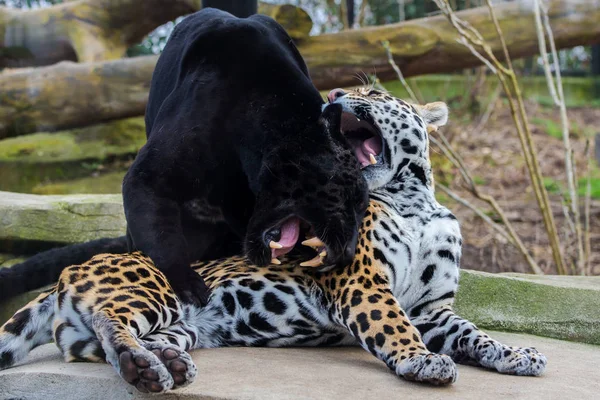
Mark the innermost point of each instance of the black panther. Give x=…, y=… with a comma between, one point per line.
x=239, y=157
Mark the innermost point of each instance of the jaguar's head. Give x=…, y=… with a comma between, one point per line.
x=386, y=133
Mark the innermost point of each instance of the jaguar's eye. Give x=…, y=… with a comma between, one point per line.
x=373, y=92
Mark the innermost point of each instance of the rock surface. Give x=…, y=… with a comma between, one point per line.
x=59, y=219
x=334, y=373
x=563, y=307
x=28, y=163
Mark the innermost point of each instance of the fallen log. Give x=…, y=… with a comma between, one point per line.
x=429, y=45
x=33, y=220
x=95, y=30
x=69, y=95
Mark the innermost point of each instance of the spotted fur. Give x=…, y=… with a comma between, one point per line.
x=395, y=299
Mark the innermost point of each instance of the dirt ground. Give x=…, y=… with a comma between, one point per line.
x=492, y=152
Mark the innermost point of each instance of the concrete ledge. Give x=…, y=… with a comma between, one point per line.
x=342, y=373
x=563, y=307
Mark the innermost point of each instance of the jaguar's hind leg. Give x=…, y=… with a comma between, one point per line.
x=446, y=333
x=30, y=327
x=374, y=317
x=137, y=365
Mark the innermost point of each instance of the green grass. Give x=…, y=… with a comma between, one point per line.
x=550, y=127
x=479, y=180
x=552, y=186
x=594, y=184
x=555, y=187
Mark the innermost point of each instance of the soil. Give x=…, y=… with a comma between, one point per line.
x=492, y=152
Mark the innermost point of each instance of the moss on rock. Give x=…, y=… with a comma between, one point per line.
x=102, y=184
x=562, y=307
x=32, y=160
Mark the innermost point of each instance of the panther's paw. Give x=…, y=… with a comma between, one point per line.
x=144, y=370
x=178, y=362
x=436, y=369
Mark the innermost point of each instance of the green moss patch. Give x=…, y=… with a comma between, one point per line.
x=31, y=161
x=553, y=306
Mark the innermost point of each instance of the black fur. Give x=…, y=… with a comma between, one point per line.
x=236, y=144
x=233, y=121
x=44, y=268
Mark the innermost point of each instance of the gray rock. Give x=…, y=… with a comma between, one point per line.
x=297, y=373
x=59, y=219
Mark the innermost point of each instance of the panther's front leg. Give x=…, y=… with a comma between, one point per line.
x=374, y=317
x=446, y=333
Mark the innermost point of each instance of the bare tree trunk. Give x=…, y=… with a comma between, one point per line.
x=95, y=30
x=71, y=95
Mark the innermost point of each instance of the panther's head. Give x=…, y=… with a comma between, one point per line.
x=385, y=132
x=312, y=188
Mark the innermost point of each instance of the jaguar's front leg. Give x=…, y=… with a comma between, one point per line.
x=170, y=345
x=447, y=333
x=374, y=317
x=136, y=364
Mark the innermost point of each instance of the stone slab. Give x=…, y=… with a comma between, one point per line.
x=326, y=373
x=562, y=307
x=60, y=218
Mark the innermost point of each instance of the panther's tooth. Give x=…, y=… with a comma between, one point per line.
x=275, y=261
x=432, y=128
x=372, y=159
x=315, y=262
x=313, y=242
x=274, y=245
x=323, y=254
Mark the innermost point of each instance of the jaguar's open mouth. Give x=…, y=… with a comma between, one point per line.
x=365, y=139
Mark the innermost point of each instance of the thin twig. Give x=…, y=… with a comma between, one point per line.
x=489, y=110
x=413, y=97
x=454, y=196
x=587, y=208
x=510, y=232
x=362, y=12
x=511, y=87
x=556, y=91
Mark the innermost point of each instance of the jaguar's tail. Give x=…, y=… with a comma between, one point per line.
x=44, y=268
x=30, y=327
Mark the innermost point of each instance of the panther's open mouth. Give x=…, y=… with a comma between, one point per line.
x=284, y=237
x=364, y=138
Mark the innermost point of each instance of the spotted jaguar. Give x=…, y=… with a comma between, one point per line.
x=395, y=298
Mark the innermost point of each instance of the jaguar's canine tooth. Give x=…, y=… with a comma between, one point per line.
x=323, y=254
x=372, y=159
x=275, y=261
x=313, y=242
x=275, y=245
x=315, y=262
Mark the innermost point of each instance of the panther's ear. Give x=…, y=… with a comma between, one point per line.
x=331, y=118
x=434, y=114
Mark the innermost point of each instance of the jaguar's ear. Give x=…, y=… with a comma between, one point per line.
x=331, y=119
x=434, y=114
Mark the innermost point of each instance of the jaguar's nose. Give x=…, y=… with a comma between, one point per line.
x=334, y=94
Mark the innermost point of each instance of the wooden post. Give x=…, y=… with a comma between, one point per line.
x=596, y=69
x=350, y=8
x=239, y=8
